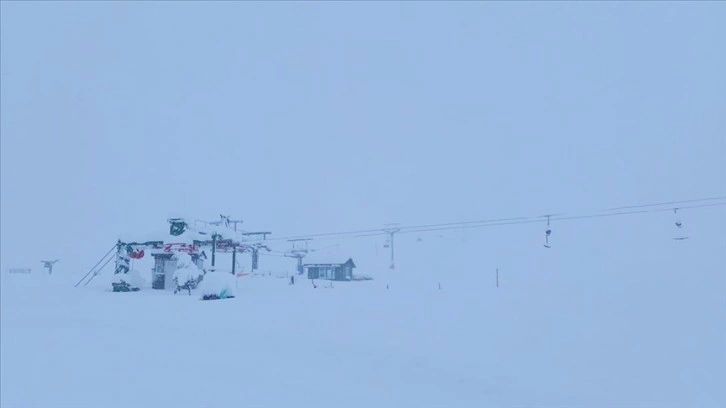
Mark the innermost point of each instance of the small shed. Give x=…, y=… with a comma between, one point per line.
x=331, y=271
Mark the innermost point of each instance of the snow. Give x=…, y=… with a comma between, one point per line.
x=132, y=277
x=186, y=269
x=588, y=323
x=218, y=282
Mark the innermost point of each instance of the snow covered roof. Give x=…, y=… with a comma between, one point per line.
x=193, y=232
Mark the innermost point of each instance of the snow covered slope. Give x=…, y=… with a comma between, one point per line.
x=595, y=322
x=357, y=344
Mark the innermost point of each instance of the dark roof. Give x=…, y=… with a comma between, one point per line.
x=349, y=262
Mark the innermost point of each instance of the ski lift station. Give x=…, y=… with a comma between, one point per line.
x=182, y=255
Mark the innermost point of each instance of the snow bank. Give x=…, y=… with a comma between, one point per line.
x=186, y=269
x=218, y=283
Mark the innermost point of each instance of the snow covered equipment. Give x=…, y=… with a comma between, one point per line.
x=177, y=226
x=137, y=254
x=187, y=275
x=123, y=286
x=218, y=285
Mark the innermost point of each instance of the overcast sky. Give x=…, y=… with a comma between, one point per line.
x=317, y=117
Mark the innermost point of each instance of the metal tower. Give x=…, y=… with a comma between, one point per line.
x=391, y=230
x=49, y=265
x=299, y=251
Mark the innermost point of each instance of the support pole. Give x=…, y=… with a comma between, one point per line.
x=214, y=247
x=118, y=257
x=393, y=260
x=234, y=259
x=255, y=256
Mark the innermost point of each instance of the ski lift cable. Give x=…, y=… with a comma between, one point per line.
x=324, y=248
x=328, y=234
x=512, y=221
x=275, y=255
x=570, y=218
x=382, y=231
x=97, y=272
x=667, y=203
x=96, y=265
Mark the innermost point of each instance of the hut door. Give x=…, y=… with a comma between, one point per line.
x=169, y=270
x=157, y=275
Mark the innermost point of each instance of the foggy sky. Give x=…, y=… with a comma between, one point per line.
x=318, y=117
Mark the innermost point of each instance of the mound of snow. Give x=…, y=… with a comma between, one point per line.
x=221, y=284
x=186, y=270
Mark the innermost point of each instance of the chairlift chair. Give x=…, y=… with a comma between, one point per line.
x=679, y=225
x=548, y=232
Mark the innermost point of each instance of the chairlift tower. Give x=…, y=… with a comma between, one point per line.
x=235, y=222
x=391, y=230
x=299, y=251
x=263, y=233
x=49, y=265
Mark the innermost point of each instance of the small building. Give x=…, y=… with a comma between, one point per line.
x=331, y=271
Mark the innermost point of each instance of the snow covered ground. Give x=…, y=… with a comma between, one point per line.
x=594, y=322
x=355, y=344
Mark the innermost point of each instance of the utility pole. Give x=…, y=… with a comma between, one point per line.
x=497, y=277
